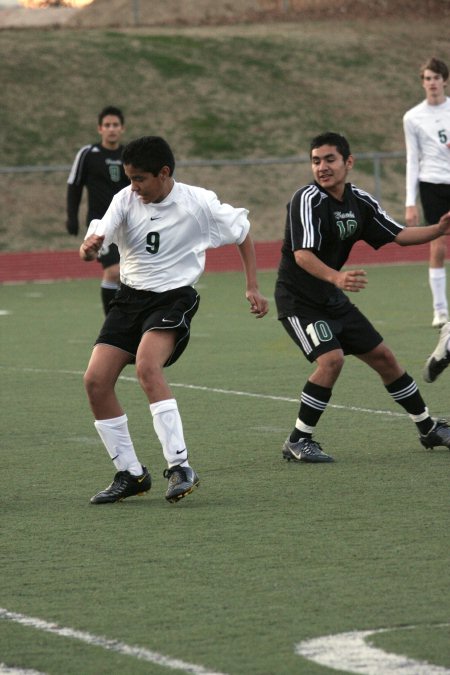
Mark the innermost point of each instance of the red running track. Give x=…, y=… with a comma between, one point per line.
x=53, y=265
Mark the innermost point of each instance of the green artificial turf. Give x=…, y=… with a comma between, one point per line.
x=264, y=554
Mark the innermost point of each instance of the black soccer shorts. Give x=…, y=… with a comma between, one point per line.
x=318, y=331
x=435, y=200
x=133, y=313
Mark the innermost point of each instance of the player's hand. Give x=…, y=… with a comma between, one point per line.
x=411, y=216
x=90, y=247
x=352, y=280
x=259, y=305
x=72, y=227
x=444, y=223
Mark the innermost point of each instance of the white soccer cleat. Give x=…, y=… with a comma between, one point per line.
x=440, y=358
x=439, y=319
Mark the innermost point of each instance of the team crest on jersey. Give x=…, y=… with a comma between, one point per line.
x=346, y=223
x=114, y=169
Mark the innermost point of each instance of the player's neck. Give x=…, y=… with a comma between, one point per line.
x=109, y=146
x=437, y=99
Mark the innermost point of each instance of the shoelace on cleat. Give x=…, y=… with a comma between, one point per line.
x=120, y=481
x=312, y=448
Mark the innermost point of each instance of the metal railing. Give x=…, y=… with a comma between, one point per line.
x=376, y=158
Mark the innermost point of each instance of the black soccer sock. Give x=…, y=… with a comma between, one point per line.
x=313, y=402
x=406, y=393
x=107, y=294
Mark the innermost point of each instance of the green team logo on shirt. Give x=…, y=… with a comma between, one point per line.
x=346, y=228
x=114, y=172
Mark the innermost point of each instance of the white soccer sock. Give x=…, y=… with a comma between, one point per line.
x=169, y=429
x=116, y=439
x=438, y=284
x=301, y=426
x=112, y=285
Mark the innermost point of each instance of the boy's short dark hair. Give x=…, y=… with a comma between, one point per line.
x=331, y=138
x=150, y=154
x=111, y=110
x=437, y=66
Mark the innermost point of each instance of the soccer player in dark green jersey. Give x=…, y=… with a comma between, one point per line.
x=324, y=220
x=98, y=168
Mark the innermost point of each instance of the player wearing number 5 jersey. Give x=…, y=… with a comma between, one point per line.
x=162, y=229
x=324, y=221
x=427, y=139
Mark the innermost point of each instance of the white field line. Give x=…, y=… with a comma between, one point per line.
x=10, y=670
x=110, y=645
x=348, y=652
x=351, y=653
x=216, y=390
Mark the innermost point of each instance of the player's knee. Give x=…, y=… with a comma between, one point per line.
x=147, y=373
x=336, y=364
x=332, y=363
x=385, y=363
x=92, y=385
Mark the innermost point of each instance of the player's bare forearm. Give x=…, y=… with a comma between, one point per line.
x=347, y=280
x=410, y=236
x=90, y=247
x=259, y=305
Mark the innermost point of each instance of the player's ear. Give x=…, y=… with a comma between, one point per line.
x=350, y=162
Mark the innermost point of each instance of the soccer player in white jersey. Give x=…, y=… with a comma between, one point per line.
x=162, y=229
x=427, y=138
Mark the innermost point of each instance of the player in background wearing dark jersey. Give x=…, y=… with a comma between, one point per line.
x=98, y=168
x=324, y=220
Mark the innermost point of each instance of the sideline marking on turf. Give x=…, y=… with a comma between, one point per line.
x=351, y=653
x=111, y=645
x=216, y=390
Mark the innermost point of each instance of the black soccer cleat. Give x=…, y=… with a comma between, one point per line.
x=438, y=436
x=304, y=450
x=124, y=485
x=182, y=480
x=440, y=358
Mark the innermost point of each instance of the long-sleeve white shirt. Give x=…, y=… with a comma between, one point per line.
x=427, y=139
x=162, y=245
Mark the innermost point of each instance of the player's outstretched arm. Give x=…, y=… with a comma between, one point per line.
x=410, y=236
x=259, y=305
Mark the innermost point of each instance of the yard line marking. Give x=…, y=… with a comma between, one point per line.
x=9, y=670
x=351, y=653
x=111, y=645
x=216, y=390
x=283, y=398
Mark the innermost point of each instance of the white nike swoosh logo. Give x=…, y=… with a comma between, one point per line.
x=168, y=321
